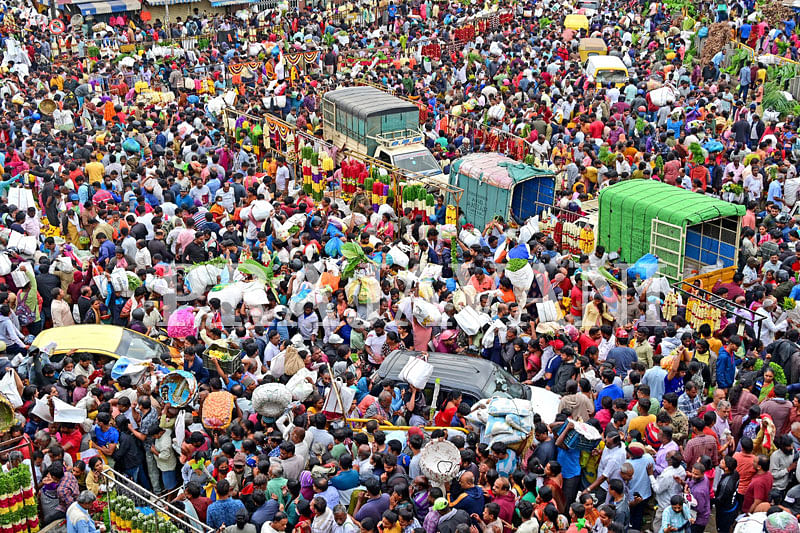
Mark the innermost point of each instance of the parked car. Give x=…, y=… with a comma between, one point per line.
x=476, y=378
x=101, y=341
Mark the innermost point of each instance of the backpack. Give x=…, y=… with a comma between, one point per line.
x=24, y=313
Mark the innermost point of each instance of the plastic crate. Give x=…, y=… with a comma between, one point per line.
x=229, y=367
x=575, y=440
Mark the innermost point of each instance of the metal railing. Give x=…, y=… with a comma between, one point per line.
x=387, y=426
x=120, y=485
x=688, y=290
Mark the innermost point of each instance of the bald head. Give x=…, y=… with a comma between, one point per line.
x=719, y=395
x=364, y=452
x=467, y=479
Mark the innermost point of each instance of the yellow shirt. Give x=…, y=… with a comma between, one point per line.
x=714, y=344
x=95, y=171
x=640, y=423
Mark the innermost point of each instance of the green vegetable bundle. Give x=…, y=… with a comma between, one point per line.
x=776, y=101
x=516, y=264
x=354, y=255
x=698, y=156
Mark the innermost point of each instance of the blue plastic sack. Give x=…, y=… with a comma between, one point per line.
x=645, y=267
x=121, y=366
x=518, y=252
x=131, y=145
x=334, y=247
x=713, y=146
x=333, y=231
x=703, y=32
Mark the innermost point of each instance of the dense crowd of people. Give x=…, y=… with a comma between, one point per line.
x=129, y=202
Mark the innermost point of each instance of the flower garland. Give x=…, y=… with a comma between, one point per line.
x=19, y=512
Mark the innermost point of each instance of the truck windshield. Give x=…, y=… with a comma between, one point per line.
x=611, y=76
x=422, y=162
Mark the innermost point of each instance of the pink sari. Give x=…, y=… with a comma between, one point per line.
x=422, y=336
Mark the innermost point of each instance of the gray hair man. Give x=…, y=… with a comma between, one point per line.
x=78, y=518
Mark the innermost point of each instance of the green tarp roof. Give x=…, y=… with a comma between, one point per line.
x=522, y=171
x=628, y=208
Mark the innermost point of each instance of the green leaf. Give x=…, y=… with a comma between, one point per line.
x=516, y=264
x=255, y=269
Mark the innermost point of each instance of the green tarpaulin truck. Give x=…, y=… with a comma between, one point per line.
x=687, y=231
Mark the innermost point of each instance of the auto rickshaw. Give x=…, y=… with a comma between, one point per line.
x=576, y=22
x=591, y=46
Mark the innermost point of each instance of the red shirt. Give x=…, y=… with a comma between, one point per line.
x=584, y=341
x=596, y=129
x=758, y=490
x=73, y=438
x=201, y=504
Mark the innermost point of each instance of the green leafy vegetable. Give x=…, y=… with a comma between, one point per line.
x=516, y=264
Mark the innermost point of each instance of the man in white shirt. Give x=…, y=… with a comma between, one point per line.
x=226, y=197
x=282, y=176
x=142, y=258
x=768, y=325
x=374, y=342
x=272, y=348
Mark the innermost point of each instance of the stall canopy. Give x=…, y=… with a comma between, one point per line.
x=627, y=211
x=224, y=3
x=114, y=6
x=157, y=3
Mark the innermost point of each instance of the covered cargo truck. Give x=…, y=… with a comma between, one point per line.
x=498, y=185
x=686, y=230
x=372, y=122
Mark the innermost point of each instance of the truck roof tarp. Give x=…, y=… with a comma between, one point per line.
x=497, y=169
x=366, y=101
x=627, y=209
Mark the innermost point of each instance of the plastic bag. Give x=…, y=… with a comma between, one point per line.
x=370, y=291
x=202, y=277
x=8, y=386
x=522, y=278
x=530, y=228
x=261, y=210
x=447, y=231
x=417, y=371
x=398, y=256
x=24, y=244
x=131, y=145
x=663, y=96
x=296, y=302
x=426, y=313
x=5, y=265
x=329, y=280
x=470, y=237
x=254, y=294
x=299, y=385
x=471, y=321
x=431, y=271
x=332, y=404
x=645, y=267
x=230, y=294
x=333, y=248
